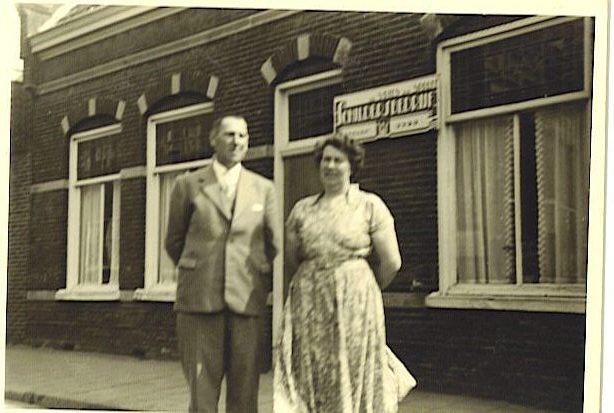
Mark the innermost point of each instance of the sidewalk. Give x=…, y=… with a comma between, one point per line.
x=80, y=380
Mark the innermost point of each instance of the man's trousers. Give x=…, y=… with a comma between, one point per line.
x=213, y=344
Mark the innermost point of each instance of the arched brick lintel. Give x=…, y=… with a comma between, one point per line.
x=333, y=48
x=175, y=84
x=94, y=106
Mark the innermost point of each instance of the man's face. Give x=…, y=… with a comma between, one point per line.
x=231, y=141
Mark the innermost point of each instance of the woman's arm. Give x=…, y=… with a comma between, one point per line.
x=384, y=241
x=389, y=258
x=291, y=252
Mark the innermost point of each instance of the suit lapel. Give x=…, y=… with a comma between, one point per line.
x=211, y=188
x=245, y=193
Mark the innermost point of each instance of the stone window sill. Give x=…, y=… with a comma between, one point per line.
x=161, y=293
x=88, y=293
x=560, y=304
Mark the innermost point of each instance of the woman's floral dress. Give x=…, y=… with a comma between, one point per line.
x=332, y=351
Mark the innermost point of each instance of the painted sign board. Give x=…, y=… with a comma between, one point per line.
x=397, y=109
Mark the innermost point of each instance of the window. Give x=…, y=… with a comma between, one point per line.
x=310, y=111
x=303, y=114
x=93, y=216
x=177, y=142
x=513, y=167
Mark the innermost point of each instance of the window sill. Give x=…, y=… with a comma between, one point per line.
x=89, y=293
x=518, y=302
x=163, y=293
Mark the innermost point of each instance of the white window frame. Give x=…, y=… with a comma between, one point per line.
x=154, y=291
x=519, y=296
x=74, y=290
x=283, y=147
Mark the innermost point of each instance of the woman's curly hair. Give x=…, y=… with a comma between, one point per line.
x=354, y=151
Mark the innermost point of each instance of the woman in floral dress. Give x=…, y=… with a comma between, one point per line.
x=332, y=354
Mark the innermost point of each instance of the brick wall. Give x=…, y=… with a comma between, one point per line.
x=489, y=353
x=374, y=60
x=403, y=171
x=18, y=219
x=48, y=237
x=128, y=328
x=522, y=357
x=174, y=27
x=132, y=234
x=378, y=57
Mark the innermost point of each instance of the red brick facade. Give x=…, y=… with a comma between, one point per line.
x=19, y=219
x=534, y=358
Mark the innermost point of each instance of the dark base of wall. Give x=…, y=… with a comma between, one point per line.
x=536, y=359
x=135, y=329
x=122, y=328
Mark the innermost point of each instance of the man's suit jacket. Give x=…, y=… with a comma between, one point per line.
x=224, y=256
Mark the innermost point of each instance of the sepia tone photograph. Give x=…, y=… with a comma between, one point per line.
x=289, y=208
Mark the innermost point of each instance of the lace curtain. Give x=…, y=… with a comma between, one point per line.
x=485, y=197
x=562, y=163
x=166, y=268
x=485, y=194
x=91, y=234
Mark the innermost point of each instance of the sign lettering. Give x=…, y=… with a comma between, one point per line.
x=398, y=109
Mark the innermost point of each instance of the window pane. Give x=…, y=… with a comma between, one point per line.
x=108, y=232
x=485, y=201
x=562, y=165
x=91, y=234
x=166, y=268
x=97, y=157
x=542, y=63
x=311, y=112
x=183, y=140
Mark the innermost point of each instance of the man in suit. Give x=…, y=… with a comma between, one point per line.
x=222, y=236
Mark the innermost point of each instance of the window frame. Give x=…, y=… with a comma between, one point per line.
x=153, y=290
x=74, y=290
x=566, y=298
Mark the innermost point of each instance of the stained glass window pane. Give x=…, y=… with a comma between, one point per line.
x=311, y=112
x=542, y=63
x=183, y=140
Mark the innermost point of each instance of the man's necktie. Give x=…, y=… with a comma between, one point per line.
x=227, y=195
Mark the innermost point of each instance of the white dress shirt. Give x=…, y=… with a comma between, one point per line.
x=227, y=177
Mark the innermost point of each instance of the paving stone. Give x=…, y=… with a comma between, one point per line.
x=79, y=380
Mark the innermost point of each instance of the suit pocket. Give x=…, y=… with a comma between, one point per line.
x=189, y=263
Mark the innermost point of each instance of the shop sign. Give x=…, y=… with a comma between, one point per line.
x=398, y=109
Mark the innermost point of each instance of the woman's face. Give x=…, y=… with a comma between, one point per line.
x=335, y=167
